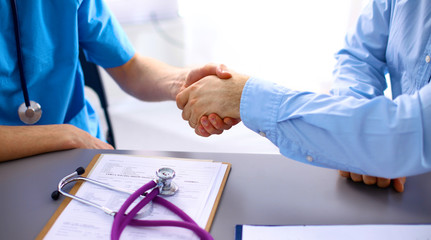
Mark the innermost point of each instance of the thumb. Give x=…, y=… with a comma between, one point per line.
x=223, y=72
x=182, y=98
x=198, y=73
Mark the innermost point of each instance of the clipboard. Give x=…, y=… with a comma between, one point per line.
x=89, y=169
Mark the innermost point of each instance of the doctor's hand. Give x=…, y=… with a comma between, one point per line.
x=397, y=183
x=213, y=124
x=196, y=74
x=212, y=95
x=78, y=138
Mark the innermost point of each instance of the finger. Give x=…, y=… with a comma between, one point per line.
x=198, y=73
x=231, y=121
x=383, y=182
x=398, y=184
x=344, y=173
x=186, y=113
x=222, y=72
x=369, y=180
x=182, y=98
x=99, y=144
x=109, y=146
x=228, y=122
x=194, y=119
x=226, y=127
x=356, y=177
x=216, y=121
x=192, y=124
x=199, y=130
x=209, y=128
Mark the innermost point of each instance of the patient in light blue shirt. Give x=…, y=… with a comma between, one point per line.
x=355, y=129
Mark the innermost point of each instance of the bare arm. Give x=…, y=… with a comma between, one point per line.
x=148, y=79
x=22, y=141
x=151, y=80
x=144, y=78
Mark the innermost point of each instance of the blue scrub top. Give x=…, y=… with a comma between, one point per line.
x=51, y=33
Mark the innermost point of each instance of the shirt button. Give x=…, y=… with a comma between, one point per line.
x=428, y=59
x=262, y=134
x=309, y=158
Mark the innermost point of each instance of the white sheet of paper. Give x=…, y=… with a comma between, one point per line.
x=199, y=182
x=337, y=232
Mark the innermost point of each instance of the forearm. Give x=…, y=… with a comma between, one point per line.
x=22, y=141
x=149, y=79
x=377, y=137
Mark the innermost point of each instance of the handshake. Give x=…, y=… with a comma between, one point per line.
x=210, y=99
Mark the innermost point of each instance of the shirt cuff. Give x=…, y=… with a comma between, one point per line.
x=259, y=106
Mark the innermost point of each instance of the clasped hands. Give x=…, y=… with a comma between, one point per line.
x=210, y=100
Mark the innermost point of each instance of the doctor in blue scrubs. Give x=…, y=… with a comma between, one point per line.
x=356, y=128
x=50, y=33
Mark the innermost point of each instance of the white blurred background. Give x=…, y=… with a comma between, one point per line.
x=288, y=42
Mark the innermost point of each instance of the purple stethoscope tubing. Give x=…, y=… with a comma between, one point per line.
x=121, y=220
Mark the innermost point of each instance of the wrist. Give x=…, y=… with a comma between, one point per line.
x=242, y=80
x=177, y=84
x=69, y=137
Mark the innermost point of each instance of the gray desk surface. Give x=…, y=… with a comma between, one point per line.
x=261, y=189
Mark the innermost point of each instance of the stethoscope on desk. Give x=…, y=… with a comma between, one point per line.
x=30, y=111
x=163, y=185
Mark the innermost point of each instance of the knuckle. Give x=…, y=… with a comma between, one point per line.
x=184, y=115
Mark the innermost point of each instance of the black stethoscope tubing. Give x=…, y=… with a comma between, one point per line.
x=19, y=54
x=30, y=111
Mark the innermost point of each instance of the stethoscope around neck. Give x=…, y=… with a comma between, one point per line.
x=30, y=111
x=148, y=194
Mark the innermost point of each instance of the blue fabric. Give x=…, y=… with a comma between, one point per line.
x=356, y=128
x=51, y=33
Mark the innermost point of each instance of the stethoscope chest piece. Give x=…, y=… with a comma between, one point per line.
x=165, y=176
x=30, y=114
x=148, y=193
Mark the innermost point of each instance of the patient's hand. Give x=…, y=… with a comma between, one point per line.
x=397, y=183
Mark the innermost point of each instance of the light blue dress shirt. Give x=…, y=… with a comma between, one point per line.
x=356, y=128
x=51, y=33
